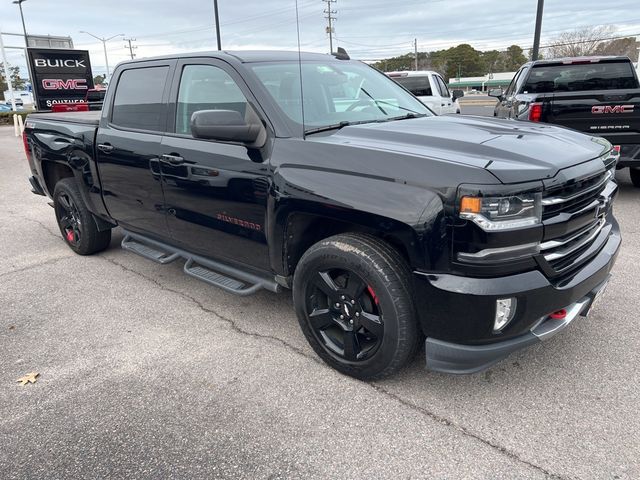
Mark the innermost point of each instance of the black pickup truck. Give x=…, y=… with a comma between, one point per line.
x=392, y=226
x=595, y=95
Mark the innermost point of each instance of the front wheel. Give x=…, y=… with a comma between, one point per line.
x=635, y=176
x=352, y=296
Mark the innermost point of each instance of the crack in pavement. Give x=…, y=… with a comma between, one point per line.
x=35, y=265
x=433, y=416
x=38, y=222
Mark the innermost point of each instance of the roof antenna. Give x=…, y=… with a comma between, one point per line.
x=300, y=69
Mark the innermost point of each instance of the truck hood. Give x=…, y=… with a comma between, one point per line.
x=512, y=151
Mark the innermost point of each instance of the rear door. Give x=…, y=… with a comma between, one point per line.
x=128, y=146
x=216, y=192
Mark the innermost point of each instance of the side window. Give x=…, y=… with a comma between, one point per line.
x=138, y=99
x=444, y=91
x=512, y=86
x=205, y=87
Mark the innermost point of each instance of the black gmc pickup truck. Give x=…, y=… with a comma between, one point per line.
x=595, y=95
x=391, y=225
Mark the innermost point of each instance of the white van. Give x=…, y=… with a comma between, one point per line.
x=430, y=89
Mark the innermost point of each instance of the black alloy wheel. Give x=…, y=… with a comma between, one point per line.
x=69, y=219
x=344, y=314
x=353, y=297
x=77, y=224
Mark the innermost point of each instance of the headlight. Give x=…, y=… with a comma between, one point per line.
x=502, y=213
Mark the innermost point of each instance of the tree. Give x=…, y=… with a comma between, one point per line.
x=578, y=43
x=514, y=57
x=99, y=79
x=462, y=60
x=620, y=46
x=14, y=73
x=493, y=61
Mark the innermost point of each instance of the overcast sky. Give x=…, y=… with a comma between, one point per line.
x=368, y=29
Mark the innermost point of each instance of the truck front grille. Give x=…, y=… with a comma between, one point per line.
x=576, y=201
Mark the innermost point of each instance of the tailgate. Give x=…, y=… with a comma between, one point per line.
x=613, y=114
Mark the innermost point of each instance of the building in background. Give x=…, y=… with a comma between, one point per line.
x=484, y=83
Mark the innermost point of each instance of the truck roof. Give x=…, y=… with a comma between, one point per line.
x=589, y=59
x=247, y=56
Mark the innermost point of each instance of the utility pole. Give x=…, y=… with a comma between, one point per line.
x=130, y=46
x=330, y=18
x=217, y=17
x=536, y=36
x=415, y=48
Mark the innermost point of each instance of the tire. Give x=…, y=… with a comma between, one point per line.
x=76, y=223
x=635, y=176
x=341, y=286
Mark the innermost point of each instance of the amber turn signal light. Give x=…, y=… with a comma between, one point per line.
x=470, y=204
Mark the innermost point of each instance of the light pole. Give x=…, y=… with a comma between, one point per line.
x=217, y=17
x=104, y=45
x=24, y=28
x=536, y=35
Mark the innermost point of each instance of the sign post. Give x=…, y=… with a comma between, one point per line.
x=59, y=76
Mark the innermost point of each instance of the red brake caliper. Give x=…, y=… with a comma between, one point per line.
x=373, y=294
x=70, y=236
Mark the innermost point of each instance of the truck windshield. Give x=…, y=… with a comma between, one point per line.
x=336, y=93
x=577, y=77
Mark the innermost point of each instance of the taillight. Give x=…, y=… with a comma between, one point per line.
x=535, y=111
x=25, y=143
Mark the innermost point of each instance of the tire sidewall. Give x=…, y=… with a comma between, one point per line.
x=327, y=257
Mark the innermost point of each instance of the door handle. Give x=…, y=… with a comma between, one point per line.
x=105, y=147
x=172, y=159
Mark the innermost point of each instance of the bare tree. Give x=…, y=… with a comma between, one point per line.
x=580, y=42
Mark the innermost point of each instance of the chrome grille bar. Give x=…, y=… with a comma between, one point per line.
x=581, y=193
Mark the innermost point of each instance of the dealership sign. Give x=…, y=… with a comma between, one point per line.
x=60, y=76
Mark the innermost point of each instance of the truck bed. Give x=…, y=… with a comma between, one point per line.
x=85, y=118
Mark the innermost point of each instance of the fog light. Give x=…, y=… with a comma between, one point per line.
x=505, y=309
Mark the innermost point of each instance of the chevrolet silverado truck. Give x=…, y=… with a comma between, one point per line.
x=394, y=227
x=596, y=95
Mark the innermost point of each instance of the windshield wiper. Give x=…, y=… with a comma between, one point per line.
x=326, y=128
x=406, y=116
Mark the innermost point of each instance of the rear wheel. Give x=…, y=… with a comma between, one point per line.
x=76, y=223
x=635, y=176
x=353, y=300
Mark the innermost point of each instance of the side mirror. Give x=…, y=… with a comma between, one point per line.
x=225, y=125
x=457, y=94
x=496, y=92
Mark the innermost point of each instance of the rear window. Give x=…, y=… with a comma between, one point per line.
x=138, y=99
x=419, y=86
x=580, y=77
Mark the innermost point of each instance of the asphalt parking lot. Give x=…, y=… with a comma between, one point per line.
x=147, y=373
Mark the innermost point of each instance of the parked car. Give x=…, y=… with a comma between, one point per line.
x=389, y=223
x=430, y=89
x=5, y=108
x=94, y=98
x=596, y=95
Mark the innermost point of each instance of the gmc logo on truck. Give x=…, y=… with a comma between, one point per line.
x=58, y=84
x=612, y=109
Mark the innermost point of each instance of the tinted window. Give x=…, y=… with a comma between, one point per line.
x=138, y=100
x=444, y=91
x=204, y=87
x=419, y=86
x=580, y=77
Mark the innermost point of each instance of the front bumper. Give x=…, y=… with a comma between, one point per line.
x=449, y=357
x=457, y=313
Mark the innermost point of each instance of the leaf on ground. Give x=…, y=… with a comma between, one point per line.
x=28, y=378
